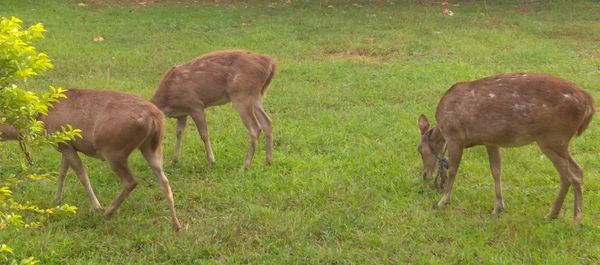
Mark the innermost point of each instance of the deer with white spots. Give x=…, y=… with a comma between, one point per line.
x=213, y=79
x=509, y=110
x=112, y=126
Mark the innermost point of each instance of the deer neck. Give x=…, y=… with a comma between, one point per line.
x=435, y=137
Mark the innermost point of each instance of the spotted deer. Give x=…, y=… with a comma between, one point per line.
x=112, y=126
x=509, y=110
x=240, y=77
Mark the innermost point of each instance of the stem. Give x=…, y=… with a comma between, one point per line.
x=25, y=150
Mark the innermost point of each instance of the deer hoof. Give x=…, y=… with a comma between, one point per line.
x=438, y=205
x=98, y=210
x=109, y=213
x=58, y=200
x=496, y=212
x=176, y=226
x=246, y=165
x=577, y=220
x=552, y=215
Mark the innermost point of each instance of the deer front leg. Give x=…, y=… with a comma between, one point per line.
x=181, y=123
x=454, y=156
x=75, y=163
x=495, y=167
x=64, y=167
x=200, y=121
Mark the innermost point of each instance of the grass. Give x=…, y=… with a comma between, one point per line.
x=344, y=188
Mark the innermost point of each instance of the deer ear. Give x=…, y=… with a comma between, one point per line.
x=423, y=124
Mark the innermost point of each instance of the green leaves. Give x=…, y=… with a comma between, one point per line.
x=21, y=108
x=18, y=57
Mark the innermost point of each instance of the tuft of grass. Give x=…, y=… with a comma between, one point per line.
x=345, y=187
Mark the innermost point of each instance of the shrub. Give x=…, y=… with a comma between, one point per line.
x=20, y=107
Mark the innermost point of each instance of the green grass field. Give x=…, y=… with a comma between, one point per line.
x=345, y=186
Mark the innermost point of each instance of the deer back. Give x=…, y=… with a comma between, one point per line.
x=514, y=109
x=214, y=79
x=110, y=121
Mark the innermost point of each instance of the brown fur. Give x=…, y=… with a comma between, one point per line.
x=213, y=79
x=8, y=132
x=510, y=110
x=113, y=125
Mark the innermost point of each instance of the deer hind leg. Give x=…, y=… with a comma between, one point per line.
x=119, y=166
x=64, y=168
x=181, y=123
x=251, y=122
x=266, y=125
x=570, y=174
x=495, y=167
x=577, y=188
x=454, y=156
x=72, y=160
x=200, y=120
x=154, y=158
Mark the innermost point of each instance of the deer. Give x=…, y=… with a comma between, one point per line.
x=216, y=78
x=112, y=125
x=509, y=110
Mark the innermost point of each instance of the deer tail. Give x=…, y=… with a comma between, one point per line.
x=158, y=130
x=589, y=113
x=272, y=67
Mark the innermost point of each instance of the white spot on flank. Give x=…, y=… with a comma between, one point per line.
x=514, y=94
x=473, y=93
x=524, y=75
x=519, y=107
x=544, y=105
x=566, y=95
x=491, y=95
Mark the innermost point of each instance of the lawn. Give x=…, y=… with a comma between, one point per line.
x=345, y=186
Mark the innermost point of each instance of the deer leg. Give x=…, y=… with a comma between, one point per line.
x=575, y=168
x=154, y=158
x=249, y=119
x=64, y=167
x=562, y=162
x=266, y=125
x=200, y=121
x=73, y=161
x=577, y=175
x=495, y=167
x=119, y=166
x=181, y=123
x=454, y=156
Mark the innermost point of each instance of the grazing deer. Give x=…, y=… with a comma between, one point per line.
x=113, y=125
x=509, y=110
x=213, y=79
